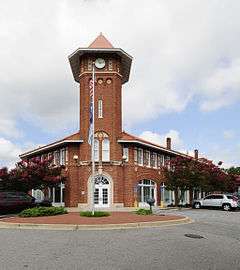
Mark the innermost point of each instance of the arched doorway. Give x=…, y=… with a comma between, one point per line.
x=146, y=189
x=101, y=192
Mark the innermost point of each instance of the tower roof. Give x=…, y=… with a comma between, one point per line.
x=100, y=43
x=103, y=46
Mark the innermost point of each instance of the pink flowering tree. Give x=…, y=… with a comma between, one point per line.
x=32, y=174
x=184, y=173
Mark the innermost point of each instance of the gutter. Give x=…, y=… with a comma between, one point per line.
x=47, y=147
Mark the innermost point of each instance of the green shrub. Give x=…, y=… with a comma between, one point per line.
x=96, y=214
x=144, y=212
x=43, y=211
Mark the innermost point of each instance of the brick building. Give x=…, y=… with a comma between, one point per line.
x=127, y=167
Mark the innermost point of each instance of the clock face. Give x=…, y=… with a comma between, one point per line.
x=100, y=63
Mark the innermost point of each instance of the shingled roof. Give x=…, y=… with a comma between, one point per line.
x=101, y=43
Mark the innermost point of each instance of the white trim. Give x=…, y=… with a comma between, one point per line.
x=100, y=72
x=152, y=146
x=99, y=50
x=49, y=147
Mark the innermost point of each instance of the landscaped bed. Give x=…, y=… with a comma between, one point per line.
x=75, y=218
x=143, y=212
x=43, y=211
x=96, y=214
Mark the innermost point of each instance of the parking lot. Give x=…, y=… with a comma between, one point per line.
x=166, y=247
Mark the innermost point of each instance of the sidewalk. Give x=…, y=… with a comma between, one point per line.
x=73, y=221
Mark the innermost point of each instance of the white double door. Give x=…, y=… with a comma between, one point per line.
x=101, y=195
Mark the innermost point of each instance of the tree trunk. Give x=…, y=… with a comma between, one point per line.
x=176, y=193
x=190, y=196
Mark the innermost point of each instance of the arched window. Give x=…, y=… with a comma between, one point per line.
x=96, y=149
x=105, y=150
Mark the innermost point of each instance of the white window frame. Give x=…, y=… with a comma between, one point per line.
x=125, y=153
x=162, y=160
x=100, y=108
x=155, y=160
x=105, y=150
x=167, y=159
x=63, y=156
x=140, y=156
x=149, y=158
x=55, y=161
x=135, y=155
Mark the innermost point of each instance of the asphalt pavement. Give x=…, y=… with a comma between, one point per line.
x=167, y=247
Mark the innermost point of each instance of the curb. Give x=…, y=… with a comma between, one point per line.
x=75, y=227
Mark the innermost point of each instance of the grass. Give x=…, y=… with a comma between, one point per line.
x=42, y=211
x=144, y=212
x=96, y=214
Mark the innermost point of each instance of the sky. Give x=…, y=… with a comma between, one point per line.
x=184, y=82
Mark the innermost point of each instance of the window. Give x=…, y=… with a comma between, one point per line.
x=140, y=156
x=96, y=150
x=125, y=153
x=167, y=161
x=105, y=150
x=217, y=197
x=62, y=156
x=135, y=155
x=158, y=161
x=154, y=160
x=56, y=158
x=148, y=158
x=162, y=160
x=100, y=108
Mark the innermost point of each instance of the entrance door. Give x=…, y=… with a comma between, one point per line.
x=147, y=190
x=101, y=193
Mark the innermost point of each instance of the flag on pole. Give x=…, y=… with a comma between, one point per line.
x=90, y=131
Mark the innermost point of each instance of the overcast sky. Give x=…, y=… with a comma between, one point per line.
x=185, y=77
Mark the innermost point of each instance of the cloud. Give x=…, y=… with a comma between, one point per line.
x=228, y=134
x=8, y=128
x=179, y=49
x=9, y=152
x=183, y=51
x=228, y=155
x=222, y=87
x=160, y=139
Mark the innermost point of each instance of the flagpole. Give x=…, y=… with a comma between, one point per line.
x=93, y=141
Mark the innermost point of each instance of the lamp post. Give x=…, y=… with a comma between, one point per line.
x=162, y=187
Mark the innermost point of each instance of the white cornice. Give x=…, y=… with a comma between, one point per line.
x=153, y=146
x=47, y=147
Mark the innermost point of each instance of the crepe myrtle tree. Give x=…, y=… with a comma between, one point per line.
x=31, y=174
x=234, y=173
x=182, y=174
x=186, y=173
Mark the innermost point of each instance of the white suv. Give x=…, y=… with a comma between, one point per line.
x=224, y=201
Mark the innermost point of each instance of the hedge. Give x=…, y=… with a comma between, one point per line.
x=42, y=211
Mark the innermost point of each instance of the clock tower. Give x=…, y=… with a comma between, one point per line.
x=112, y=68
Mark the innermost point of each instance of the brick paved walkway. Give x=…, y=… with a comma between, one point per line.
x=75, y=218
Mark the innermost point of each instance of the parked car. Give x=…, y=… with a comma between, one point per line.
x=225, y=201
x=13, y=201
